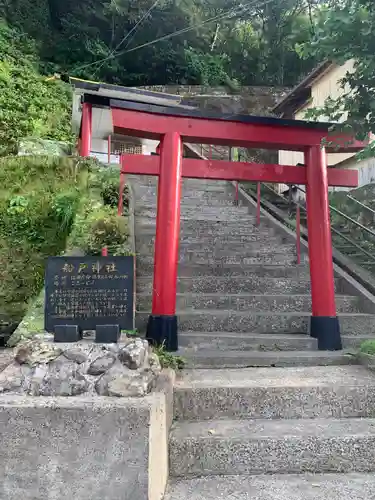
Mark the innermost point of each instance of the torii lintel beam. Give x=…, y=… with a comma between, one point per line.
x=239, y=171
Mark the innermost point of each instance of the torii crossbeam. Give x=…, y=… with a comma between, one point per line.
x=172, y=126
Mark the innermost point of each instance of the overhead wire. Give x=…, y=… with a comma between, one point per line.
x=123, y=40
x=230, y=13
x=235, y=12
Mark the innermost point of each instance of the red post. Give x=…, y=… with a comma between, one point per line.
x=120, y=209
x=104, y=252
x=258, y=204
x=236, y=198
x=109, y=149
x=162, y=325
x=158, y=149
x=86, y=129
x=324, y=322
x=298, y=231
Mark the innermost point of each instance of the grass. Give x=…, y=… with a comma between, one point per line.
x=169, y=360
x=368, y=347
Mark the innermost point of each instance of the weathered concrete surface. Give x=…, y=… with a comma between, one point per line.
x=272, y=446
x=296, y=392
x=84, y=448
x=276, y=487
x=213, y=359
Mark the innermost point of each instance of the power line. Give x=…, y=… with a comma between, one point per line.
x=190, y=28
x=231, y=12
x=112, y=54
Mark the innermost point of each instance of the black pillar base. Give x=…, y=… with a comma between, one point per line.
x=162, y=330
x=326, y=329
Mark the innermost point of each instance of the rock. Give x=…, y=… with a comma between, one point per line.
x=11, y=379
x=77, y=355
x=124, y=386
x=153, y=361
x=134, y=354
x=101, y=365
x=33, y=352
x=63, y=379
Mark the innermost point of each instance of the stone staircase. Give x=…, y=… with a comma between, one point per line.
x=257, y=426
x=273, y=434
x=242, y=299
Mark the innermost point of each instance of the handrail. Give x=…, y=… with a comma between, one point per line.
x=360, y=203
x=298, y=222
x=336, y=210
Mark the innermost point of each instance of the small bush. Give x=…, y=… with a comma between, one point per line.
x=368, y=347
x=100, y=227
x=169, y=360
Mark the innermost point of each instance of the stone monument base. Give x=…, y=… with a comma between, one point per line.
x=105, y=440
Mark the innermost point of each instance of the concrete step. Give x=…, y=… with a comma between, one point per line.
x=249, y=302
x=233, y=261
x=243, y=321
x=209, y=218
x=200, y=210
x=257, y=342
x=146, y=241
x=214, y=359
x=201, y=229
x=242, y=226
x=352, y=486
x=273, y=393
x=226, y=283
x=269, y=446
x=226, y=250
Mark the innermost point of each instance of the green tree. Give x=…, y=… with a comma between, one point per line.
x=346, y=31
x=29, y=105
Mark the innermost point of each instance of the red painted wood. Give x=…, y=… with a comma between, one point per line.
x=140, y=164
x=298, y=231
x=167, y=226
x=258, y=204
x=215, y=132
x=109, y=149
x=226, y=170
x=319, y=233
x=104, y=252
x=237, y=189
x=86, y=127
x=120, y=208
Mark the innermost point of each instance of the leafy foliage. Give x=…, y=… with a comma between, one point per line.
x=29, y=105
x=346, y=31
x=39, y=198
x=368, y=347
x=253, y=43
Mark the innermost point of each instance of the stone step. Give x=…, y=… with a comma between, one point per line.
x=258, y=342
x=274, y=393
x=198, y=211
x=248, y=302
x=352, y=486
x=254, y=240
x=269, y=446
x=209, y=218
x=243, y=321
x=200, y=229
x=226, y=251
x=215, y=283
x=233, y=261
x=213, y=359
x=242, y=225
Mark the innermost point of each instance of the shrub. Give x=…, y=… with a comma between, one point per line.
x=368, y=347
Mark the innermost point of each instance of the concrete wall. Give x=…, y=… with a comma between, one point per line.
x=85, y=449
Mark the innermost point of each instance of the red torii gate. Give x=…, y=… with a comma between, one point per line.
x=172, y=126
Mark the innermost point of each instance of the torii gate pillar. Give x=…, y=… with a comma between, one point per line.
x=324, y=322
x=162, y=324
